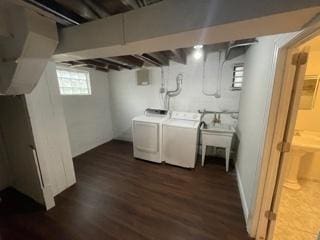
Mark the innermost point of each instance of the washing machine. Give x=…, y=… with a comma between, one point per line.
x=147, y=135
x=180, y=139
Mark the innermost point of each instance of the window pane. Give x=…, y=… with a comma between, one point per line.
x=237, y=79
x=73, y=82
x=239, y=68
x=238, y=74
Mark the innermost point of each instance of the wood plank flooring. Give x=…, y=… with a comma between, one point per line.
x=117, y=197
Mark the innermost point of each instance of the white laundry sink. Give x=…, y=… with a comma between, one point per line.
x=217, y=128
x=217, y=135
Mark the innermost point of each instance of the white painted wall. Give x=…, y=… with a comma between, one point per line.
x=88, y=118
x=129, y=100
x=253, y=117
x=310, y=119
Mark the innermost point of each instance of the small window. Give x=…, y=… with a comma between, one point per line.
x=73, y=81
x=237, y=78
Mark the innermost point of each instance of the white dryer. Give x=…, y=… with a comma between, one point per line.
x=147, y=135
x=180, y=139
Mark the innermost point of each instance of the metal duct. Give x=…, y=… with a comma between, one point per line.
x=174, y=93
x=238, y=48
x=25, y=54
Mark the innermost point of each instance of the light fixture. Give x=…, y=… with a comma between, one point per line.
x=198, y=52
x=198, y=47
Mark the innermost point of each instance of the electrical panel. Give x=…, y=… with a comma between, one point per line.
x=143, y=77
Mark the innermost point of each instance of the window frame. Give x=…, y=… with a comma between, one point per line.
x=74, y=70
x=234, y=77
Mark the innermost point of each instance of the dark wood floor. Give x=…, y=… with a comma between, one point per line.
x=117, y=197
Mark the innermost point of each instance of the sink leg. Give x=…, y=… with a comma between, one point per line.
x=227, y=158
x=291, y=180
x=203, y=156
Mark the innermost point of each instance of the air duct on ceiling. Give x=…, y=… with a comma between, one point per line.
x=238, y=48
x=25, y=52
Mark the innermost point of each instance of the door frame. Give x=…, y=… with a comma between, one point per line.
x=275, y=130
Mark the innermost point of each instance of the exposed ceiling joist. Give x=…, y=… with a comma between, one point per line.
x=98, y=68
x=159, y=57
x=146, y=58
x=102, y=69
x=179, y=56
x=110, y=61
x=75, y=12
x=130, y=3
x=96, y=8
x=86, y=64
x=173, y=31
x=130, y=60
x=93, y=62
x=153, y=60
x=76, y=64
x=66, y=16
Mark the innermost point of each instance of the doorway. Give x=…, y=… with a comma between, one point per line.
x=296, y=200
x=294, y=206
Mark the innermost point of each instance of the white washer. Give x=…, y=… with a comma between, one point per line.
x=180, y=139
x=147, y=137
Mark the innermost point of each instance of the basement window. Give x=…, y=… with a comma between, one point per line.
x=73, y=81
x=237, y=78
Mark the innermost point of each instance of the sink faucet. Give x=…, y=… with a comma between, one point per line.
x=216, y=118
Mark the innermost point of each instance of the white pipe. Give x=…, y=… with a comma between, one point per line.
x=174, y=93
x=217, y=93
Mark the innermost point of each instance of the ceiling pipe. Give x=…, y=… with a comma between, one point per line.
x=57, y=10
x=173, y=93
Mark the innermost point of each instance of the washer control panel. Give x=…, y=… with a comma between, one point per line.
x=186, y=116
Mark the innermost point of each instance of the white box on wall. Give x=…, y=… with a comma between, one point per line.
x=143, y=77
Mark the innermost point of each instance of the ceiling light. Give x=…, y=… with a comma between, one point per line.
x=198, y=47
x=197, y=54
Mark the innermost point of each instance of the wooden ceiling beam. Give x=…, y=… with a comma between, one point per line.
x=93, y=62
x=96, y=8
x=111, y=61
x=130, y=60
x=179, y=56
x=159, y=57
x=149, y=60
x=130, y=3
x=87, y=64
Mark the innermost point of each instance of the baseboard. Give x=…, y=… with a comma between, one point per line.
x=125, y=139
x=87, y=148
x=242, y=196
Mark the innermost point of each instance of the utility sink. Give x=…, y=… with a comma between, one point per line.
x=303, y=142
x=218, y=128
x=217, y=135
